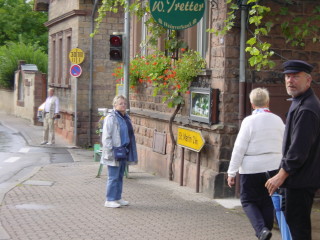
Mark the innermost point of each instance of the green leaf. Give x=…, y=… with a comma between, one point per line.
x=170, y=104
x=255, y=19
x=252, y=41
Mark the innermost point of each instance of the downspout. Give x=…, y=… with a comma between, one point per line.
x=242, y=73
x=91, y=71
x=242, y=64
x=126, y=53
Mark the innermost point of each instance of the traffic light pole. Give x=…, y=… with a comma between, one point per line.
x=126, y=59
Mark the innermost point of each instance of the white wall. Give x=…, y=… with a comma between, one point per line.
x=6, y=101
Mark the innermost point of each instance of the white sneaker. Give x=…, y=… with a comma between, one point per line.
x=43, y=143
x=112, y=204
x=123, y=202
x=49, y=143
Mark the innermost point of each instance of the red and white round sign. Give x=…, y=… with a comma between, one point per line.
x=75, y=70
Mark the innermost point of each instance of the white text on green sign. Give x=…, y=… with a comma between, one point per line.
x=177, y=14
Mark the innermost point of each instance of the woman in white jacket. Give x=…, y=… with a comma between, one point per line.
x=117, y=131
x=257, y=150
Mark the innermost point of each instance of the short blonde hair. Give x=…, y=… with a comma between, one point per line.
x=259, y=97
x=116, y=99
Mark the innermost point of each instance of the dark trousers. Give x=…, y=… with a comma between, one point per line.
x=298, y=212
x=256, y=202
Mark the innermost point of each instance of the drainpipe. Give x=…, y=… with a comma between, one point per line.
x=242, y=74
x=126, y=51
x=91, y=72
x=242, y=64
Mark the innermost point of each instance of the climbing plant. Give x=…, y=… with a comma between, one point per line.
x=296, y=31
x=169, y=74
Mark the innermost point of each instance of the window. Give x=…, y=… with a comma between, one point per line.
x=68, y=34
x=20, y=88
x=59, y=63
x=52, y=59
x=202, y=35
x=144, y=34
x=196, y=37
x=59, y=60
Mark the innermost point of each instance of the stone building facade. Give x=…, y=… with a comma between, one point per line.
x=70, y=23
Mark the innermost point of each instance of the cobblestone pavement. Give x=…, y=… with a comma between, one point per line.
x=65, y=201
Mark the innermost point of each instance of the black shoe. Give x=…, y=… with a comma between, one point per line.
x=265, y=234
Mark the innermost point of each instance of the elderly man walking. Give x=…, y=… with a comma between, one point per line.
x=299, y=172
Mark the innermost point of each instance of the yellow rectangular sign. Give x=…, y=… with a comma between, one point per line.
x=190, y=138
x=120, y=89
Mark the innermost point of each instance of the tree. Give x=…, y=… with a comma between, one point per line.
x=11, y=53
x=19, y=23
x=23, y=36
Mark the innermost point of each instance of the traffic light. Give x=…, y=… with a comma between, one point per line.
x=115, y=48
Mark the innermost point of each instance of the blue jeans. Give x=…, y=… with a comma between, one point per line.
x=115, y=181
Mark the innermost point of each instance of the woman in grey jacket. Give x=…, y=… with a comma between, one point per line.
x=117, y=131
x=257, y=150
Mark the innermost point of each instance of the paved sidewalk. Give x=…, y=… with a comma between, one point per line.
x=65, y=201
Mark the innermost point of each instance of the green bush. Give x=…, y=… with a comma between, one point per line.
x=11, y=53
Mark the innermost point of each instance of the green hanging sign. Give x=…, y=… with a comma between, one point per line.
x=177, y=14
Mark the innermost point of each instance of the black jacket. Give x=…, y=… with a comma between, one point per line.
x=301, y=143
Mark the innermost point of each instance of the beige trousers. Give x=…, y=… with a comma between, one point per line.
x=48, y=132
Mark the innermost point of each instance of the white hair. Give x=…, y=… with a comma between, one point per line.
x=116, y=99
x=259, y=97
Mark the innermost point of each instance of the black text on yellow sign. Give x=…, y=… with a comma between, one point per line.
x=189, y=138
x=76, y=56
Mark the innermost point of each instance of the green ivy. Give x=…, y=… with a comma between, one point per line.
x=296, y=31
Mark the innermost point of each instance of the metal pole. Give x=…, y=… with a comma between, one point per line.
x=198, y=172
x=75, y=123
x=91, y=72
x=182, y=167
x=126, y=60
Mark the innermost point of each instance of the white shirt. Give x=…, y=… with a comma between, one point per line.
x=258, y=147
x=48, y=103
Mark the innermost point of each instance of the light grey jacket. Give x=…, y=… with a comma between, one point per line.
x=111, y=138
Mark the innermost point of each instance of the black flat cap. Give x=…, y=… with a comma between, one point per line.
x=295, y=66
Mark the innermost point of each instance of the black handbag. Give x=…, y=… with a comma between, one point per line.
x=120, y=153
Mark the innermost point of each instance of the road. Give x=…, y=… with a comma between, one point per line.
x=18, y=160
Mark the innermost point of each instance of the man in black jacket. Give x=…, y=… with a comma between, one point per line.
x=299, y=170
